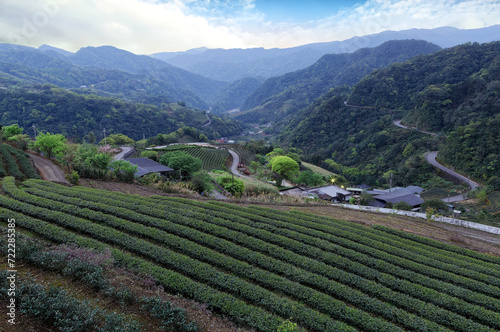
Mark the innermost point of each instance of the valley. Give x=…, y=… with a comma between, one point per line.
x=203, y=190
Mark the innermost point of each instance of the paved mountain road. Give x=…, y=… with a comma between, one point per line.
x=48, y=170
x=125, y=150
x=431, y=159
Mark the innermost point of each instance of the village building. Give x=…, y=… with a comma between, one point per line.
x=147, y=166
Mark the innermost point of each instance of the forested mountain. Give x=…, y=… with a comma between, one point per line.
x=161, y=83
x=456, y=91
x=233, y=64
x=57, y=110
x=108, y=57
x=282, y=96
x=440, y=90
x=233, y=95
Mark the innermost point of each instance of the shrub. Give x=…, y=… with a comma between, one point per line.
x=309, y=178
x=402, y=206
x=153, y=155
x=73, y=178
x=232, y=185
x=201, y=182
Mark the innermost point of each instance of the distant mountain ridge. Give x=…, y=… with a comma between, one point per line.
x=281, y=97
x=233, y=64
x=110, y=72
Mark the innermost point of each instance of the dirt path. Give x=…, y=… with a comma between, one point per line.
x=48, y=170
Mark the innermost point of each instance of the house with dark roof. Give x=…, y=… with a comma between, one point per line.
x=403, y=195
x=330, y=193
x=147, y=166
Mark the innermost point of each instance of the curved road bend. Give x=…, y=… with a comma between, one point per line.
x=125, y=150
x=48, y=170
x=431, y=159
x=398, y=123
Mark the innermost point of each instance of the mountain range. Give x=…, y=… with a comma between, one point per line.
x=454, y=92
x=278, y=98
x=234, y=64
x=202, y=78
x=339, y=110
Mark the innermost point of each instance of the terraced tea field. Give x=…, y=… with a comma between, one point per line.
x=260, y=267
x=16, y=163
x=212, y=159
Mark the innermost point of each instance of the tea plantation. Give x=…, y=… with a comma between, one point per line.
x=260, y=266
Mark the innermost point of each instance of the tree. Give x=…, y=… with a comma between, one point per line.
x=117, y=139
x=309, y=178
x=365, y=198
x=50, y=144
x=254, y=165
x=408, y=151
x=182, y=162
x=123, y=170
x=99, y=162
x=402, y=206
x=284, y=166
x=201, y=182
x=276, y=152
x=90, y=137
x=153, y=155
x=12, y=130
x=232, y=185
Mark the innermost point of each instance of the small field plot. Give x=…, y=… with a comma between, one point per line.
x=212, y=159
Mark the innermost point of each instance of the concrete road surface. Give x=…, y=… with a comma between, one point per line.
x=125, y=150
x=431, y=159
x=48, y=170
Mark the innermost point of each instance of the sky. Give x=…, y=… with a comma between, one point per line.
x=151, y=26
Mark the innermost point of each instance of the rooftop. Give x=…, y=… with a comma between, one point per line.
x=146, y=166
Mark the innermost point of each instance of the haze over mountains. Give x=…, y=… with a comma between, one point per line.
x=233, y=64
x=113, y=72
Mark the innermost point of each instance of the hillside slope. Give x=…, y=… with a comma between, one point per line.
x=60, y=111
x=284, y=95
x=109, y=72
x=455, y=91
x=260, y=266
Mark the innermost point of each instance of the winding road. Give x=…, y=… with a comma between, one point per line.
x=431, y=159
x=121, y=155
x=398, y=123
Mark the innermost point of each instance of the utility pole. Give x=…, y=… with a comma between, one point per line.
x=390, y=188
x=104, y=131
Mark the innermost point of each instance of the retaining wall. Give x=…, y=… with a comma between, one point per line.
x=453, y=221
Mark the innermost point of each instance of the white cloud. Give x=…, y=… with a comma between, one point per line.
x=147, y=26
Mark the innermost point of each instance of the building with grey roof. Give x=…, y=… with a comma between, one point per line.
x=147, y=166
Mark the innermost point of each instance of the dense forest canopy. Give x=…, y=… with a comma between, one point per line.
x=455, y=91
x=57, y=110
x=282, y=96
